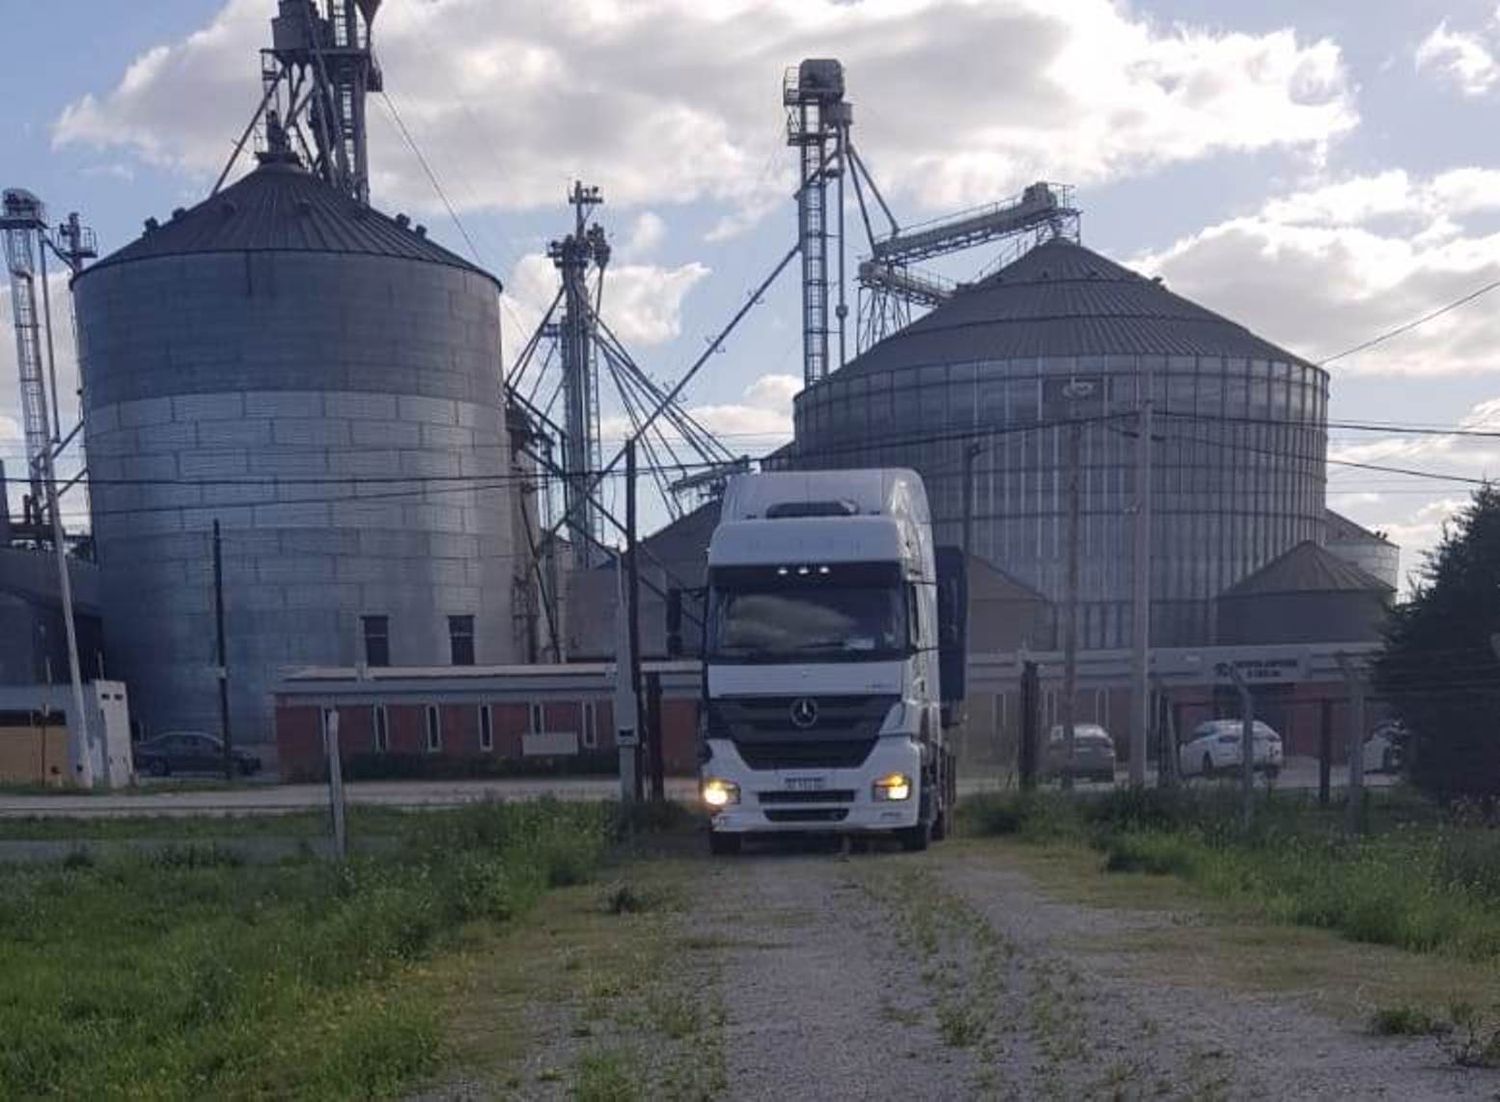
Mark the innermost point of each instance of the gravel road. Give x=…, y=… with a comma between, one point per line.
x=952, y=975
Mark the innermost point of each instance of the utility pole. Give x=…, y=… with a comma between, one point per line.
x=971, y=453
x=1354, y=679
x=223, y=670
x=633, y=595
x=628, y=663
x=1073, y=391
x=1140, y=659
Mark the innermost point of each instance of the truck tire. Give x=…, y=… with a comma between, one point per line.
x=723, y=845
x=915, y=839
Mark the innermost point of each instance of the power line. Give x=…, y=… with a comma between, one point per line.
x=431, y=176
x=1409, y=326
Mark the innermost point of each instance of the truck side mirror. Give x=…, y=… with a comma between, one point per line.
x=674, y=623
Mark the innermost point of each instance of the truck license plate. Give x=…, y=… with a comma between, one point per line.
x=806, y=784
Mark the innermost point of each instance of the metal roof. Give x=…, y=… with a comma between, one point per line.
x=1306, y=568
x=1062, y=299
x=1343, y=530
x=281, y=207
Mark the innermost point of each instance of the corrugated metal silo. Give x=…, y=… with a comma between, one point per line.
x=1235, y=486
x=285, y=360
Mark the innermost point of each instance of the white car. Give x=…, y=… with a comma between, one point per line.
x=1383, y=749
x=1215, y=748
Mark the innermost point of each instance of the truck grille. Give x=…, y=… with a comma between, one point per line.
x=809, y=815
x=825, y=796
x=806, y=753
x=751, y=717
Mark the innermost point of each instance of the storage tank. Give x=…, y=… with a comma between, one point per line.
x=1371, y=551
x=1239, y=473
x=325, y=382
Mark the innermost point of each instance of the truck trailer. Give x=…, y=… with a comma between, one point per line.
x=830, y=624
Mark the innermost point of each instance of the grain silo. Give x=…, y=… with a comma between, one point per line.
x=324, y=381
x=1240, y=439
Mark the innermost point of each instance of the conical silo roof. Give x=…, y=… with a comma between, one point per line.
x=1062, y=299
x=281, y=207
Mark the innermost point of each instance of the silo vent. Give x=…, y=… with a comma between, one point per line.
x=403, y=221
x=152, y=225
x=178, y=212
x=228, y=207
x=421, y=230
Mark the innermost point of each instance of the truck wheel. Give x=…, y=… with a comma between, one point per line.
x=915, y=839
x=723, y=845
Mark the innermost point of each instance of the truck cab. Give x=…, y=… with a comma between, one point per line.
x=823, y=707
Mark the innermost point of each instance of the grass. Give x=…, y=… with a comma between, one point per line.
x=294, y=824
x=1414, y=882
x=186, y=974
x=589, y=1000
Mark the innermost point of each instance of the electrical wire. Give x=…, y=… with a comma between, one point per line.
x=1409, y=326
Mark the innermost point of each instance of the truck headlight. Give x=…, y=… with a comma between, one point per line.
x=720, y=793
x=893, y=786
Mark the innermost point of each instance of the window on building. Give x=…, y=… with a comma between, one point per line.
x=461, y=640
x=537, y=725
x=377, y=632
x=434, y=729
x=486, y=729
x=590, y=734
x=382, y=726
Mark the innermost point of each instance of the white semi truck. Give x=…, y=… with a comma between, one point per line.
x=829, y=638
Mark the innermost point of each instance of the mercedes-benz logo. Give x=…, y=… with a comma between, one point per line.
x=804, y=712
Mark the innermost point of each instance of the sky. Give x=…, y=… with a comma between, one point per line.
x=1316, y=170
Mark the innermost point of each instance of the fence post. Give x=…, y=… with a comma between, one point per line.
x=335, y=782
x=1030, y=715
x=1325, y=752
x=1354, y=678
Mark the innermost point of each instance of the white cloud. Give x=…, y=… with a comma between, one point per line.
x=672, y=101
x=642, y=303
x=763, y=419
x=1463, y=59
x=646, y=233
x=1327, y=268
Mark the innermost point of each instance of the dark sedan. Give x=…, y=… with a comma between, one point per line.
x=189, y=752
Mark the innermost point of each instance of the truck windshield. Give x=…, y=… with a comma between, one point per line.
x=840, y=614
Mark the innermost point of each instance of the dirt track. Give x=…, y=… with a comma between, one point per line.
x=952, y=975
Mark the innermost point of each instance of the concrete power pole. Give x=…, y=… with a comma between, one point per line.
x=1140, y=663
x=1073, y=392
x=1070, y=607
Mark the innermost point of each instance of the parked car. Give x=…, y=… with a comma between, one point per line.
x=1384, y=747
x=1215, y=748
x=1093, y=753
x=189, y=752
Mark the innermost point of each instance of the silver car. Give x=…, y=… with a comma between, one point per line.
x=1093, y=753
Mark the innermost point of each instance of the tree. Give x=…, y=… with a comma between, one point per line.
x=1439, y=670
